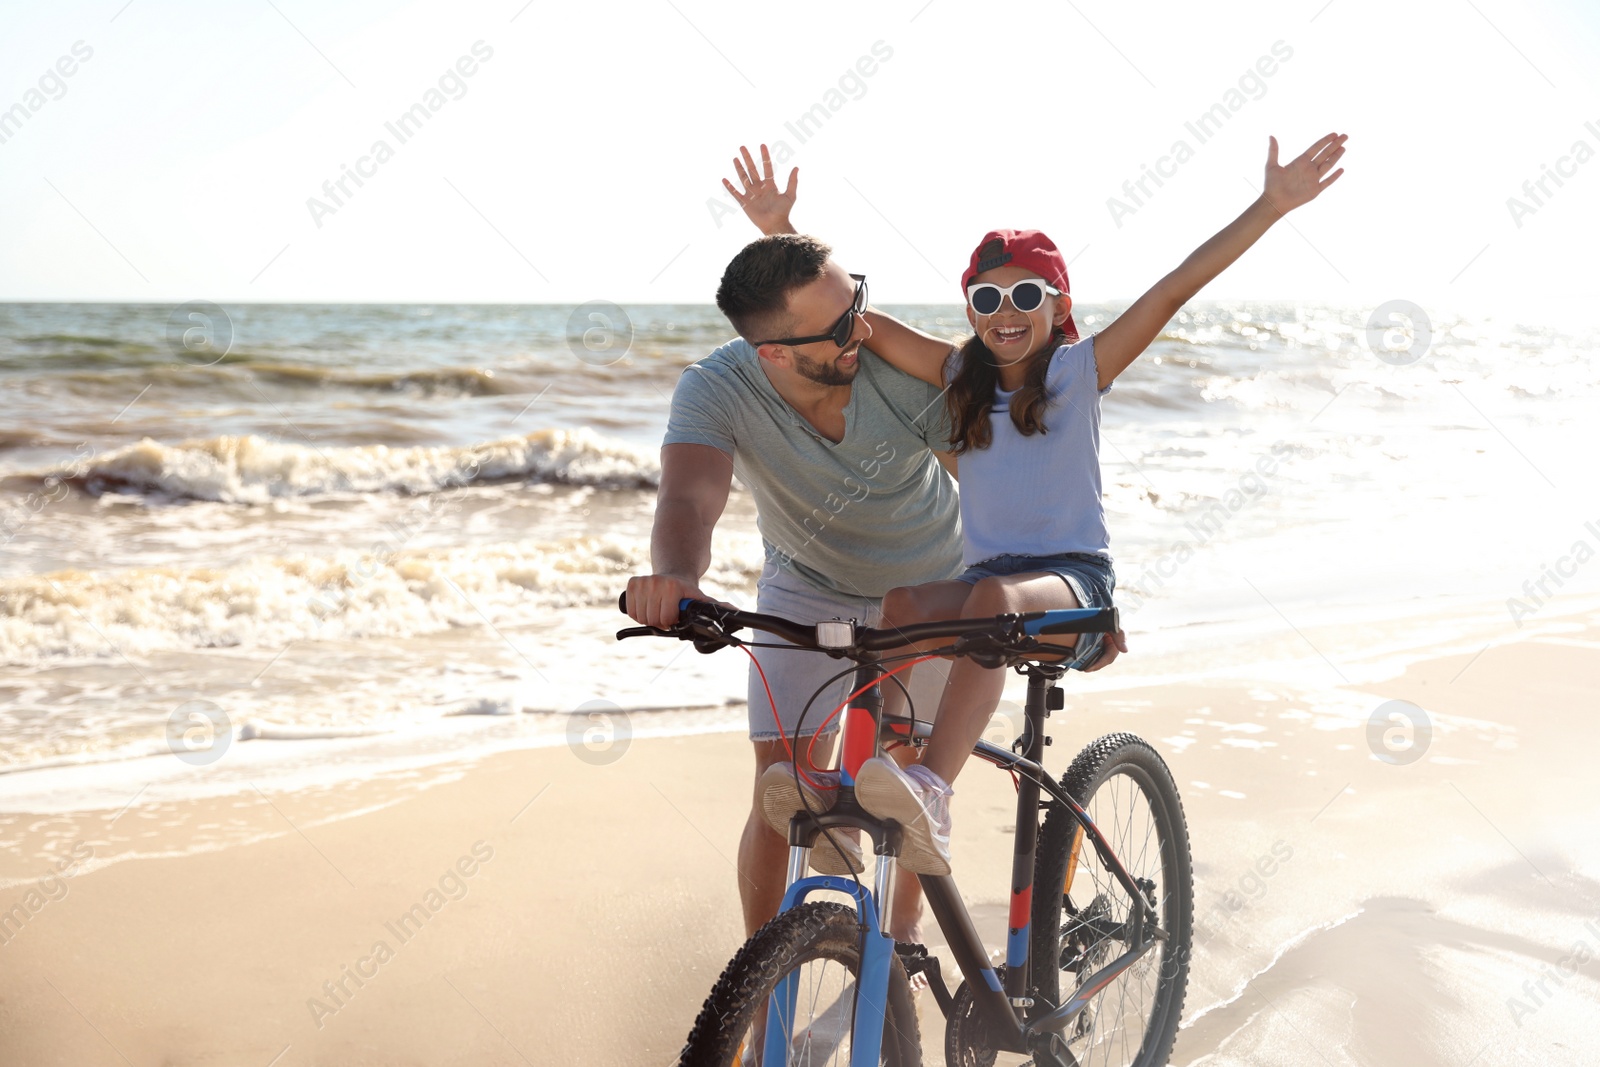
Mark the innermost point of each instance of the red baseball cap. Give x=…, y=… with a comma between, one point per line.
x=1029, y=249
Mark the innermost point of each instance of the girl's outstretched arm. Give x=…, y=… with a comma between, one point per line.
x=903, y=347
x=908, y=349
x=1285, y=189
x=763, y=202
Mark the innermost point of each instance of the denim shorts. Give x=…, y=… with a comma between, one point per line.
x=1089, y=576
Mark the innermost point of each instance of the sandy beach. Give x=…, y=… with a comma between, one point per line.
x=538, y=907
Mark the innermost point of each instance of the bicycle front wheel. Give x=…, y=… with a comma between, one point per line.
x=1080, y=909
x=818, y=945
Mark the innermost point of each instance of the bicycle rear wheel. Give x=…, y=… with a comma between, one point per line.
x=1080, y=909
x=819, y=944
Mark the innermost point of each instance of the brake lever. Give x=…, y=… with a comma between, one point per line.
x=694, y=630
x=998, y=649
x=645, y=631
x=982, y=649
x=705, y=643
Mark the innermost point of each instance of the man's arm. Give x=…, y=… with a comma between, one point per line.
x=695, y=480
x=1286, y=188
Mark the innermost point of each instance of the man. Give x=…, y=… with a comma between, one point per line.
x=837, y=448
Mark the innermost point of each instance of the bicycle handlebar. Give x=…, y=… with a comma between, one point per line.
x=733, y=619
x=711, y=623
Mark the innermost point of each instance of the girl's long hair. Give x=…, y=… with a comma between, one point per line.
x=971, y=392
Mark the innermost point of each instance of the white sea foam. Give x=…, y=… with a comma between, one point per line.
x=270, y=601
x=252, y=469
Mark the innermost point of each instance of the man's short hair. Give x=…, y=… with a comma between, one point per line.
x=755, y=288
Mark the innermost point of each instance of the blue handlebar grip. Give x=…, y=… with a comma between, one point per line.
x=683, y=605
x=1061, y=615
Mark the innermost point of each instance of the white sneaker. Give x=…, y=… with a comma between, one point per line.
x=919, y=801
x=780, y=799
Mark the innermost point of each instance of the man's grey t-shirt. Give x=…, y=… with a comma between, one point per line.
x=859, y=517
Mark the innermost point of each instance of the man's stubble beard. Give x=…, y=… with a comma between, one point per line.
x=825, y=373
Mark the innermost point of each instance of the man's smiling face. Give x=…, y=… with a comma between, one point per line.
x=816, y=308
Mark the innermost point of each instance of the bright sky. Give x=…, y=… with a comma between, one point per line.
x=176, y=162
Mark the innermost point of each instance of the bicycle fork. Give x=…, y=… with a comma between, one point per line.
x=872, y=977
x=860, y=732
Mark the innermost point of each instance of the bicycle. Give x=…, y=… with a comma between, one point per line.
x=1074, y=912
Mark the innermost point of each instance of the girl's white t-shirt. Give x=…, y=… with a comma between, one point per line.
x=1038, y=495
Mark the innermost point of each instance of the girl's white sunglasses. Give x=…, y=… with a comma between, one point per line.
x=1026, y=295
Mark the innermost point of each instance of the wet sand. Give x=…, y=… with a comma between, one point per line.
x=533, y=907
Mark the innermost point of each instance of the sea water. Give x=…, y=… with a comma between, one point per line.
x=397, y=532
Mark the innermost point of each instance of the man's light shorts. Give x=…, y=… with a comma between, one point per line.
x=795, y=675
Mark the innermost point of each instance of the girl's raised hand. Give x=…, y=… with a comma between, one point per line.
x=1303, y=178
x=763, y=204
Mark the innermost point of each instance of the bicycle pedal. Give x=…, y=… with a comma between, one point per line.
x=918, y=960
x=914, y=957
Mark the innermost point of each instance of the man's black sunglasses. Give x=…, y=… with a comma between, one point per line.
x=840, y=334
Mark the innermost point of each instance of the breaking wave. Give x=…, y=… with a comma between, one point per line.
x=251, y=470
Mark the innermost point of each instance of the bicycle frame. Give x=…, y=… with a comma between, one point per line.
x=865, y=729
x=864, y=732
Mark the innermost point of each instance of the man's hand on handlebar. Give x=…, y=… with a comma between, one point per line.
x=653, y=599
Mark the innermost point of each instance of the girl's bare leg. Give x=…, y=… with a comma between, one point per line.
x=972, y=692
x=911, y=604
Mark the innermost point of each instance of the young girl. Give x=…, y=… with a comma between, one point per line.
x=1023, y=395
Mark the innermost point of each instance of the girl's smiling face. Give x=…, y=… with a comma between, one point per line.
x=1014, y=335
